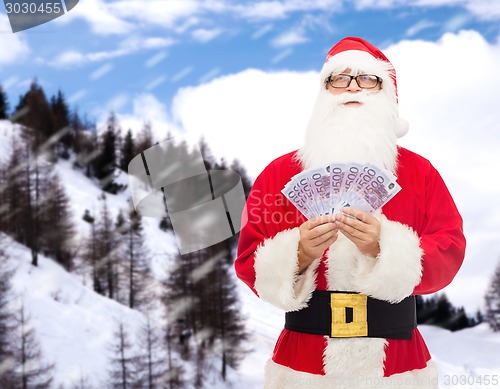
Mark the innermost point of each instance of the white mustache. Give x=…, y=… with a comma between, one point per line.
x=361, y=97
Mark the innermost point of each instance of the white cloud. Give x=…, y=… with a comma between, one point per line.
x=456, y=23
x=13, y=47
x=128, y=46
x=446, y=92
x=485, y=9
x=147, y=108
x=290, y=38
x=120, y=17
x=418, y=27
x=101, y=71
x=451, y=101
x=262, y=31
x=158, y=12
x=281, y=56
x=253, y=116
x=123, y=16
x=182, y=73
x=205, y=35
x=156, y=59
x=100, y=16
x=68, y=58
x=281, y=9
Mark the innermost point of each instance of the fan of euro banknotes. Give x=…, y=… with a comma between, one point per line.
x=326, y=191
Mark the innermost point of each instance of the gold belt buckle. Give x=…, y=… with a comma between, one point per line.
x=359, y=325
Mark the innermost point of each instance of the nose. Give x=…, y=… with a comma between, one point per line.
x=353, y=86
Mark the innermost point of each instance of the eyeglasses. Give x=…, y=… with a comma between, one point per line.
x=364, y=81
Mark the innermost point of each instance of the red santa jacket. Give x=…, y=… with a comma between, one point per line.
x=421, y=249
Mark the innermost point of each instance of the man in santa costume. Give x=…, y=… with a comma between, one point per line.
x=347, y=281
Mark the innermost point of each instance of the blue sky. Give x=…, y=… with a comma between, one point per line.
x=102, y=53
x=245, y=74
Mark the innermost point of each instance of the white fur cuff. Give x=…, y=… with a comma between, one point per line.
x=396, y=271
x=276, y=267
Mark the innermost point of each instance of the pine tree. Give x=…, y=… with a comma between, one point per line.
x=30, y=370
x=83, y=382
x=144, y=139
x=151, y=361
x=38, y=120
x=445, y=310
x=4, y=104
x=101, y=253
x=87, y=148
x=7, y=326
x=174, y=378
x=106, y=162
x=91, y=256
x=107, y=252
x=128, y=151
x=492, y=300
x=203, y=284
x=237, y=167
x=57, y=239
x=201, y=289
x=85, y=142
x=12, y=193
x=77, y=127
x=225, y=321
x=136, y=264
x=439, y=311
x=123, y=361
x=61, y=114
x=60, y=111
x=25, y=183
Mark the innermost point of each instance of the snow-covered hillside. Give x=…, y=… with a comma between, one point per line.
x=75, y=325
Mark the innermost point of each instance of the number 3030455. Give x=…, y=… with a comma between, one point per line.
x=33, y=8
x=471, y=380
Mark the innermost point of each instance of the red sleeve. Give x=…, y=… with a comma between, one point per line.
x=258, y=224
x=252, y=233
x=441, y=236
x=266, y=213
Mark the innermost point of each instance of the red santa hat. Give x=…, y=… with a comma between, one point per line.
x=361, y=56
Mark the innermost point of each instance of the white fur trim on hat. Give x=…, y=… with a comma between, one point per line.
x=276, y=270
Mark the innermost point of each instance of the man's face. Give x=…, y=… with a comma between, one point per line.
x=352, y=88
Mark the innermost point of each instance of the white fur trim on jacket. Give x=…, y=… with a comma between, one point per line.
x=281, y=377
x=396, y=271
x=276, y=272
x=347, y=357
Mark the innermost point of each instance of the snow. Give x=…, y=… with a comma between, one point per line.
x=75, y=325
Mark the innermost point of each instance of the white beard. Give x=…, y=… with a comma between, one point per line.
x=338, y=133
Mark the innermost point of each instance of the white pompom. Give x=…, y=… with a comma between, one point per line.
x=402, y=127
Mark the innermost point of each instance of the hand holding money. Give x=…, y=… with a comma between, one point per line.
x=316, y=235
x=361, y=228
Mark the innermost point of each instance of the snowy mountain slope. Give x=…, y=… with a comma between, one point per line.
x=74, y=324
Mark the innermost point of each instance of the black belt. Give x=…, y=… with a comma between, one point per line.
x=349, y=314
